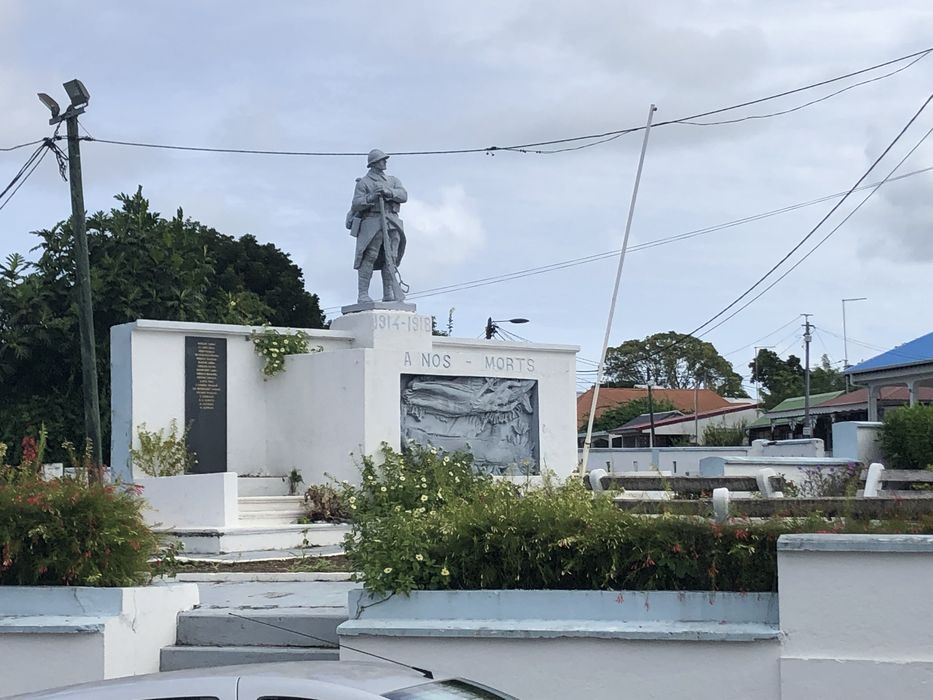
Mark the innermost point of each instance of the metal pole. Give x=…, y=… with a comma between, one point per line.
x=696, y=411
x=650, y=416
x=615, y=293
x=85, y=305
x=845, y=340
x=807, y=428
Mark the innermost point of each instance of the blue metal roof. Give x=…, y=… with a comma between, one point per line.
x=915, y=352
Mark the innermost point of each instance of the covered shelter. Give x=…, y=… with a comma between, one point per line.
x=909, y=365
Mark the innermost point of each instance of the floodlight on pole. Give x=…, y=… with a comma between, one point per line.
x=51, y=104
x=77, y=93
x=79, y=97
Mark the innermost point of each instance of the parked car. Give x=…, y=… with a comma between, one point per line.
x=294, y=680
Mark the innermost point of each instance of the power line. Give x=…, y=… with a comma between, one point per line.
x=811, y=102
x=25, y=171
x=827, y=236
x=819, y=223
x=598, y=138
x=596, y=257
x=768, y=335
x=22, y=145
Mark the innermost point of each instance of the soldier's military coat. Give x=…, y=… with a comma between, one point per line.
x=365, y=221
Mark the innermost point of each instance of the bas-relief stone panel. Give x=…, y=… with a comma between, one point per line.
x=494, y=418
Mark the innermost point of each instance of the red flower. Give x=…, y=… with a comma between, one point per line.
x=29, y=449
x=677, y=549
x=741, y=534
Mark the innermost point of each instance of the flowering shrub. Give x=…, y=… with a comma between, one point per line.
x=830, y=481
x=324, y=503
x=424, y=521
x=273, y=346
x=74, y=533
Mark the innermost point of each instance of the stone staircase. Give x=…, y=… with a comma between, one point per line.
x=213, y=637
x=210, y=635
x=267, y=521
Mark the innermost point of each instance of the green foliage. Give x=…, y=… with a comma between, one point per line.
x=273, y=346
x=907, y=437
x=324, y=503
x=620, y=414
x=424, y=521
x=142, y=266
x=784, y=379
x=724, y=435
x=673, y=361
x=74, y=533
x=295, y=479
x=162, y=455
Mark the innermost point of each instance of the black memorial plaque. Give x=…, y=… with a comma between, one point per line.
x=206, y=402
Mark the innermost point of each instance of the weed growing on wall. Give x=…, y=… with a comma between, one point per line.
x=273, y=347
x=161, y=454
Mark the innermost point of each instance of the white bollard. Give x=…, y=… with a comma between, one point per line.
x=596, y=480
x=873, y=480
x=763, y=477
x=721, y=504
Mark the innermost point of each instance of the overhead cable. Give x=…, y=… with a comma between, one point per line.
x=532, y=146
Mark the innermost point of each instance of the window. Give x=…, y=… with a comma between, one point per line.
x=448, y=690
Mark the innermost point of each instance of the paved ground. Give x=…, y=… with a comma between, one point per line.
x=264, y=555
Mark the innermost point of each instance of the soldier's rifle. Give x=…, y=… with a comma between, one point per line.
x=388, y=258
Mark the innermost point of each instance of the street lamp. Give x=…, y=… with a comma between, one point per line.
x=492, y=327
x=845, y=338
x=79, y=97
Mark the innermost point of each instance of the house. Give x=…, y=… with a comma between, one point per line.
x=684, y=400
x=909, y=366
x=674, y=428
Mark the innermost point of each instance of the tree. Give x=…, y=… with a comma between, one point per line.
x=674, y=361
x=142, y=266
x=621, y=413
x=783, y=379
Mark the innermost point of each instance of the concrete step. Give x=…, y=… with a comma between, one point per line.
x=176, y=658
x=216, y=627
x=249, y=504
x=257, y=537
x=262, y=486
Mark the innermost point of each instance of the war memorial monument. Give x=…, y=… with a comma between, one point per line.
x=377, y=375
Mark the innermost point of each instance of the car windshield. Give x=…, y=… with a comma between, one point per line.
x=448, y=690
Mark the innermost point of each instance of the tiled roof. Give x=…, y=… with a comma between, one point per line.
x=887, y=393
x=682, y=399
x=917, y=351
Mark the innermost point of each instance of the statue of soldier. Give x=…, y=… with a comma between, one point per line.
x=373, y=220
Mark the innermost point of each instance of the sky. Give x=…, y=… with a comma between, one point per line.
x=428, y=75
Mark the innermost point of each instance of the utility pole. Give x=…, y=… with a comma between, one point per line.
x=79, y=98
x=807, y=427
x=615, y=294
x=845, y=338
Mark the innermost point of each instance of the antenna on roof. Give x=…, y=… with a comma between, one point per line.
x=423, y=671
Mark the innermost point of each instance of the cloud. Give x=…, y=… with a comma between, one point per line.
x=442, y=234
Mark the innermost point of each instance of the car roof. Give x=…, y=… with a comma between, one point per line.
x=371, y=677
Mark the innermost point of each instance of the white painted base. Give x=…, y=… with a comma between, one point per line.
x=251, y=539
x=191, y=500
x=52, y=636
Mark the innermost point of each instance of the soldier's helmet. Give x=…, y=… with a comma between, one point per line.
x=375, y=156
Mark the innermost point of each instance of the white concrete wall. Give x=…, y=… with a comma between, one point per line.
x=809, y=447
x=856, y=611
x=853, y=623
x=328, y=404
x=52, y=636
x=191, y=500
x=858, y=440
x=683, y=461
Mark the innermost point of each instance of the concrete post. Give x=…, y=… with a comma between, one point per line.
x=872, y=402
x=912, y=392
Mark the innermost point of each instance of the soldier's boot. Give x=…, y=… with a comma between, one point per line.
x=388, y=293
x=365, y=275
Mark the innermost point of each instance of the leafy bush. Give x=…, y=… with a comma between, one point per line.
x=163, y=455
x=73, y=533
x=907, y=437
x=830, y=481
x=424, y=521
x=724, y=435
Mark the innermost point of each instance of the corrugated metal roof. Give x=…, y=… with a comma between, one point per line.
x=796, y=403
x=917, y=351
